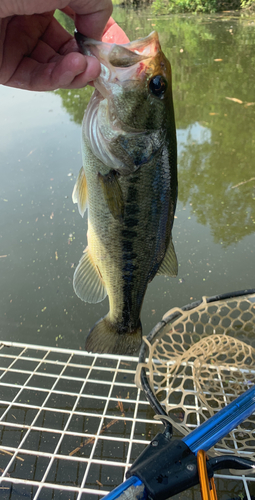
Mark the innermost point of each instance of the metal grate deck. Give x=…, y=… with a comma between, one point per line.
x=71, y=423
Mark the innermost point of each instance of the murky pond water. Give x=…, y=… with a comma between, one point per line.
x=42, y=235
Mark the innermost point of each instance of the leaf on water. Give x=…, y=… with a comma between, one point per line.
x=235, y=100
x=32, y=150
x=212, y=114
x=249, y=104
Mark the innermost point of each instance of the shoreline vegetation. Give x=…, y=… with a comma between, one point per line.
x=161, y=7
x=209, y=6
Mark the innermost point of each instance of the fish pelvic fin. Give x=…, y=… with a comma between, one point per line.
x=87, y=280
x=104, y=337
x=169, y=265
x=112, y=193
x=80, y=195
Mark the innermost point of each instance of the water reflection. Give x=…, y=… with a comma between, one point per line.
x=213, y=61
x=42, y=234
x=220, y=190
x=75, y=102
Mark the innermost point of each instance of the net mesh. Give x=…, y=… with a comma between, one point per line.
x=202, y=361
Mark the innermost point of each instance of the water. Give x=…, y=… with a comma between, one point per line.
x=42, y=233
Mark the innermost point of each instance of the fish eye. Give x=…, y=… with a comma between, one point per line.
x=158, y=86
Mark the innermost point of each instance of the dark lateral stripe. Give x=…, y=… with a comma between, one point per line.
x=131, y=210
x=129, y=268
x=127, y=233
x=132, y=194
x=129, y=255
x=127, y=246
x=131, y=222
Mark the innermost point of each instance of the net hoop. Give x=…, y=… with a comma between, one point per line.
x=197, y=360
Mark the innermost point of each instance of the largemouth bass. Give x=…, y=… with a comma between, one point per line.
x=128, y=184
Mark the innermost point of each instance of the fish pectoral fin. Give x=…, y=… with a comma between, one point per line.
x=87, y=280
x=169, y=266
x=80, y=192
x=112, y=193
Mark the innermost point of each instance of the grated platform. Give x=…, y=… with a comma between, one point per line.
x=71, y=423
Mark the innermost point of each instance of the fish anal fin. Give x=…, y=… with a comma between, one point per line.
x=112, y=193
x=169, y=265
x=87, y=280
x=80, y=194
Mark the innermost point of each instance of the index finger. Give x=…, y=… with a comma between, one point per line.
x=91, y=17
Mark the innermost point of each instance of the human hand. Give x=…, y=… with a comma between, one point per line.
x=37, y=53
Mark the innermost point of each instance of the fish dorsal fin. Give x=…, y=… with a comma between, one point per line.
x=80, y=192
x=87, y=281
x=169, y=266
x=112, y=193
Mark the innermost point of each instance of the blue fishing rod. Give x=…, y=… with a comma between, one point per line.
x=169, y=466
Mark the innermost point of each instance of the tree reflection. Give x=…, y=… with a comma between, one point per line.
x=207, y=180
x=75, y=102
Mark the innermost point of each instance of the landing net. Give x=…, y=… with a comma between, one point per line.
x=200, y=359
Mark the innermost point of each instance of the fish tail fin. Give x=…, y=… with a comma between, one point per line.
x=104, y=337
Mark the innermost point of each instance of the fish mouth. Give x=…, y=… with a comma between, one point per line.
x=119, y=55
x=120, y=64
